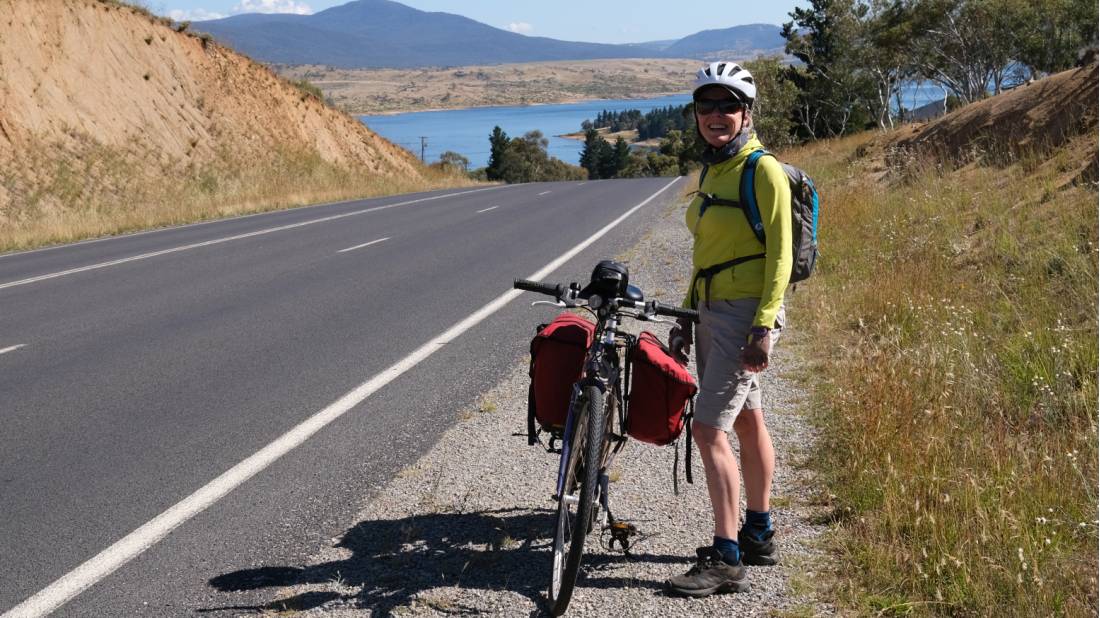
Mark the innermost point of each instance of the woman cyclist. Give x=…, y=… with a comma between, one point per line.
x=738, y=288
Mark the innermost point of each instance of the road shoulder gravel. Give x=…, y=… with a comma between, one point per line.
x=466, y=528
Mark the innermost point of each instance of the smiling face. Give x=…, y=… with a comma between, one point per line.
x=725, y=118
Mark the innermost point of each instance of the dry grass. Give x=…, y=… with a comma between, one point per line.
x=955, y=330
x=367, y=91
x=98, y=190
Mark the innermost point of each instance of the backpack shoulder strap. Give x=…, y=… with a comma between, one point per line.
x=748, y=193
x=703, y=175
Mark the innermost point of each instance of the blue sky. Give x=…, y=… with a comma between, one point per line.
x=616, y=21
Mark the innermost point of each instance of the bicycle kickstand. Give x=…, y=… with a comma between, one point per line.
x=621, y=531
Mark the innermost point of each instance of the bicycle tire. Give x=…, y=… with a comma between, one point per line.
x=582, y=474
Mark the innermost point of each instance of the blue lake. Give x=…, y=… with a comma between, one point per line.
x=466, y=131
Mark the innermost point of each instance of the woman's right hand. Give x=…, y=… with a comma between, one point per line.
x=680, y=340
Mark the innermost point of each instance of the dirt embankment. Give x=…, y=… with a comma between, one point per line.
x=104, y=104
x=1031, y=120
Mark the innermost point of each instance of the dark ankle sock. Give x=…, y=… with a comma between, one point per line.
x=731, y=553
x=761, y=520
x=758, y=523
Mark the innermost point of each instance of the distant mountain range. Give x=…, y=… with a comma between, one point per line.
x=737, y=42
x=383, y=33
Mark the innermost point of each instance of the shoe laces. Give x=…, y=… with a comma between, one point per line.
x=702, y=564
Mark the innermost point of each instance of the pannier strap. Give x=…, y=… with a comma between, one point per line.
x=687, y=454
x=676, y=468
x=532, y=433
x=709, y=272
x=687, y=448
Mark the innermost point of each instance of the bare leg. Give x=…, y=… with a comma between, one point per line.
x=757, y=458
x=723, y=478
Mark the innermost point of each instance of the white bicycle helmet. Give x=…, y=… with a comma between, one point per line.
x=730, y=76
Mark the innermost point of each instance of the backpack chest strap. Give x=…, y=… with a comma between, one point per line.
x=710, y=199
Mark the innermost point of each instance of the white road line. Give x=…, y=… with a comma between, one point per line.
x=195, y=224
x=122, y=551
x=487, y=209
x=545, y=192
x=218, y=241
x=366, y=244
x=12, y=348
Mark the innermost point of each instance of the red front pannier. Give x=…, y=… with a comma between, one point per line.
x=660, y=389
x=557, y=361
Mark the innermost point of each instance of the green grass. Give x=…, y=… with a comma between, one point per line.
x=308, y=88
x=954, y=321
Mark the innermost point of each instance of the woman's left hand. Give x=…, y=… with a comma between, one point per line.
x=754, y=356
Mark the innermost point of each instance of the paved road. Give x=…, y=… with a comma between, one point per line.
x=151, y=364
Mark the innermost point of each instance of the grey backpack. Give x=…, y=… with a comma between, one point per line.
x=804, y=214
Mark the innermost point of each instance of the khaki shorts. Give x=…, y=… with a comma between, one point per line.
x=724, y=387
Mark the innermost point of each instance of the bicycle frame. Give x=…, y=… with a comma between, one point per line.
x=603, y=369
x=610, y=299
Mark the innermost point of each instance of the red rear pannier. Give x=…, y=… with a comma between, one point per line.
x=557, y=361
x=660, y=389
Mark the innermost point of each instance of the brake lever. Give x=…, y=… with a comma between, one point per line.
x=560, y=303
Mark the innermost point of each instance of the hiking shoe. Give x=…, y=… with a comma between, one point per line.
x=757, y=551
x=709, y=575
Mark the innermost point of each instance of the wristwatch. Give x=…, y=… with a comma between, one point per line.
x=758, y=332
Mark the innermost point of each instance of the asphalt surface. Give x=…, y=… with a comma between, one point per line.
x=141, y=380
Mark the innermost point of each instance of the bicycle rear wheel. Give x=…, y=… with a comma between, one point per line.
x=576, y=505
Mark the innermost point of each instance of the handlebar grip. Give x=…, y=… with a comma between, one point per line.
x=556, y=291
x=676, y=312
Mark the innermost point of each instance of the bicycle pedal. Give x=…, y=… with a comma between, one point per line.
x=624, y=528
x=621, y=531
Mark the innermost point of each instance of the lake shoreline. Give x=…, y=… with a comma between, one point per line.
x=466, y=131
x=567, y=101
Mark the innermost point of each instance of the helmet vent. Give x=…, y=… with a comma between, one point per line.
x=721, y=68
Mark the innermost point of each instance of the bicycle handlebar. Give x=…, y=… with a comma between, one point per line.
x=676, y=312
x=559, y=291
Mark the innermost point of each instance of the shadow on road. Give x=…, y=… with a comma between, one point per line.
x=394, y=560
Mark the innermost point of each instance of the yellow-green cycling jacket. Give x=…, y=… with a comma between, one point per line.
x=723, y=233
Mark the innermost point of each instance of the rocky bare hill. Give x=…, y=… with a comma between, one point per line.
x=106, y=108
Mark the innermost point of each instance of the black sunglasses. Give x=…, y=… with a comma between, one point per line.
x=726, y=106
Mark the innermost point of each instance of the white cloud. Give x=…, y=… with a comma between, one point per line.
x=273, y=6
x=520, y=27
x=193, y=14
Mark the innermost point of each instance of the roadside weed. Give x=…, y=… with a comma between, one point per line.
x=955, y=342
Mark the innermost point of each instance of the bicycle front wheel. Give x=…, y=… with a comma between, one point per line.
x=576, y=505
